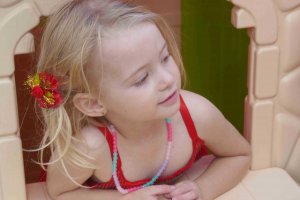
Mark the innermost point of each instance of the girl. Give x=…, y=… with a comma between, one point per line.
x=118, y=124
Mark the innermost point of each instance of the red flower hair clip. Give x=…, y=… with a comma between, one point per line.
x=44, y=88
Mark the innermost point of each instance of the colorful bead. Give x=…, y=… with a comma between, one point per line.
x=159, y=172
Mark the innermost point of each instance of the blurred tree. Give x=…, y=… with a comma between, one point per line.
x=215, y=56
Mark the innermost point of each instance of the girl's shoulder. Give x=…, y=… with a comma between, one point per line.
x=203, y=112
x=92, y=142
x=92, y=136
x=199, y=106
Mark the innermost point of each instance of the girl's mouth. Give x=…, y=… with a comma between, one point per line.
x=171, y=99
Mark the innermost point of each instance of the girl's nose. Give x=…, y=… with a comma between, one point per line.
x=166, y=79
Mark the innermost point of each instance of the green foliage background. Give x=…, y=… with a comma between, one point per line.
x=215, y=56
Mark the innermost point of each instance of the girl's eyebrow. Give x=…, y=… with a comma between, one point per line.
x=142, y=67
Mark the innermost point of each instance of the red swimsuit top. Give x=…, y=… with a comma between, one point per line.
x=199, y=150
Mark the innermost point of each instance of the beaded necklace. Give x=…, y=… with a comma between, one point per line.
x=158, y=173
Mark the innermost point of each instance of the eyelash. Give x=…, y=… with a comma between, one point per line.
x=140, y=82
x=166, y=58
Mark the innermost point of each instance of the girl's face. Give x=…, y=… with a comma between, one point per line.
x=140, y=79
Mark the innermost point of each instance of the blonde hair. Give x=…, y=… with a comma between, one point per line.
x=70, y=39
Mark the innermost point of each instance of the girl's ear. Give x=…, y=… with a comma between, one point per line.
x=88, y=105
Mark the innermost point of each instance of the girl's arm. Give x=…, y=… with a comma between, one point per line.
x=231, y=150
x=232, y=158
x=59, y=185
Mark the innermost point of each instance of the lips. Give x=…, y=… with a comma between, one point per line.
x=168, y=98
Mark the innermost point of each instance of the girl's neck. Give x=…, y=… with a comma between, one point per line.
x=138, y=131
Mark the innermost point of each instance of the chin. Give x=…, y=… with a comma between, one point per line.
x=172, y=110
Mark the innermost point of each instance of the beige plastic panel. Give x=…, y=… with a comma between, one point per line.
x=25, y=45
x=287, y=4
x=8, y=3
x=289, y=91
x=288, y=98
x=239, y=192
x=16, y=21
x=264, y=14
x=8, y=109
x=241, y=18
x=11, y=169
x=294, y=161
x=274, y=77
x=266, y=184
x=291, y=29
x=271, y=184
x=46, y=6
x=266, y=72
x=285, y=141
x=261, y=133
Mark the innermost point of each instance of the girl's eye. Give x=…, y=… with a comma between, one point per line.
x=166, y=58
x=142, y=81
